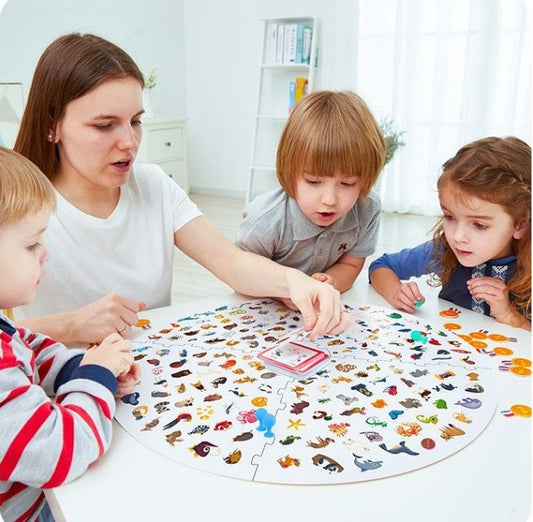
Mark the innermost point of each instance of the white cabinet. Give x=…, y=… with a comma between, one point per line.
x=164, y=143
x=289, y=56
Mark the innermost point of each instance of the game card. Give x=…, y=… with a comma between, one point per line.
x=294, y=356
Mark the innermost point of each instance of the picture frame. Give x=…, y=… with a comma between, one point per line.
x=11, y=109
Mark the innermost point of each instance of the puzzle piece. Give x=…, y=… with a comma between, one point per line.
x=398, y=394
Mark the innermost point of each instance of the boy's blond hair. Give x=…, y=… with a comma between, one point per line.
x=328, y=133
x=24, y=189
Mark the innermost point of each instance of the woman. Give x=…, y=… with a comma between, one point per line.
x=112, y=238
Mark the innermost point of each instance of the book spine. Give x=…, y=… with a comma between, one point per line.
x=292, y=96
x=289, y=51
x=307, y=40
x=300, y=43
x=271, y=44
x=280, y=42
x=300, y=90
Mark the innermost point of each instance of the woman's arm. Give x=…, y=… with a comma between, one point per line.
x=257, y=276
x=89, y=324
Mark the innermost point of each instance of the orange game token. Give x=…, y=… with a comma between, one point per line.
x=520, y=370
x=143, y=322
x=449, y=313
x=452, y=326
x=498, y=337
x=465, y=337
x=478, y=344
x=478, y=335
x=500, y=350
x=521, y=409
x=520, y=361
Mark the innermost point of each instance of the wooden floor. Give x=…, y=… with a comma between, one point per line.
x=191, y=281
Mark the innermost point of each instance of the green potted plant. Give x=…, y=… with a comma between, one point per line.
x=393, y=137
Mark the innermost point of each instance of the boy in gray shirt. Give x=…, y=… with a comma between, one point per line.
x=324, y=219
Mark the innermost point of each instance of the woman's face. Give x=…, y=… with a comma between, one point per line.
x=99, y=135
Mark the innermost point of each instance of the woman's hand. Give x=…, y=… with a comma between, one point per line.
x=111, y=313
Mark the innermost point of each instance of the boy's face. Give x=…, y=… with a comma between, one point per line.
x=22, y=256
x=324, y=199
x=476, y=229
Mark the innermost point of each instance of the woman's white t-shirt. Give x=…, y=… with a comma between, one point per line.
x=129, y=253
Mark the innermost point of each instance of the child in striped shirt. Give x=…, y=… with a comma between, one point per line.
x=45, y=442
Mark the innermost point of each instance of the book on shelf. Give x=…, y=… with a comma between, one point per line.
x=289, y=43
x=289, y=48
x=280, y=42
x=297, y=90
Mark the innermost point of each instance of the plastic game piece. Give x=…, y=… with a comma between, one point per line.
x=419, y=303
x=521, y=361
x=418, y=336
x=500, y=350
x=521, y=410
x=520, y=370
x=144, y=324
x=266, y=421
x=452, y=326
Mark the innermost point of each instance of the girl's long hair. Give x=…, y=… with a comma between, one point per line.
x=497, y=170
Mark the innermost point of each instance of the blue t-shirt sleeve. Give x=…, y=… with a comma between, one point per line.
x=73, y=370
x=407, y=263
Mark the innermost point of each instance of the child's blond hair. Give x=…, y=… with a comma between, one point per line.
x=329, y=133
x=24, y=189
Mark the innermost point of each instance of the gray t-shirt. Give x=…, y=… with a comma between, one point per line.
x=274, y=227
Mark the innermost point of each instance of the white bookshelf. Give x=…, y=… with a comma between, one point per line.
x=277, y=69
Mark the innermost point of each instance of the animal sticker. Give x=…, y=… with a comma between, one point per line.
x=396, y=395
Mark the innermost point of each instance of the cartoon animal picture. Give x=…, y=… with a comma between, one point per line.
x=327, y=463
x=366, y=464
x=386, y=403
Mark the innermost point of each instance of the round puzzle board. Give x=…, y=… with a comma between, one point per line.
x=396, y=395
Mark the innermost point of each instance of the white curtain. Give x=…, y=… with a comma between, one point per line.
x=447, y=72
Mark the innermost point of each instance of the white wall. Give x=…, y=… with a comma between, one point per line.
x=151, y=32
x=223, y=48
x=207, y=53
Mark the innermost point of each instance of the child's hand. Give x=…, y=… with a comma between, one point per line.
x=323, y=277
x=113, y=353
x=494, y=291
x=127, y=381
x=406, y=297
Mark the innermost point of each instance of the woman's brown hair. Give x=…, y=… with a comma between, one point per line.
x=69, y=67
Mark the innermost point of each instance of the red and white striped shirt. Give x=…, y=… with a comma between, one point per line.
x=44, y=442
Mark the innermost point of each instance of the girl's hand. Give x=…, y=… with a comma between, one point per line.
x=113, y=353
x=406, y=297
x=494, y=291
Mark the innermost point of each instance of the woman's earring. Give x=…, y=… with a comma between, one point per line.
x=49, y=137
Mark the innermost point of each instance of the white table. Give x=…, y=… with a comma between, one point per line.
x=488, y=480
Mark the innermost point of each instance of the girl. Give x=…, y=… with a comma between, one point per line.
x=481, y=249
x=112, y=238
